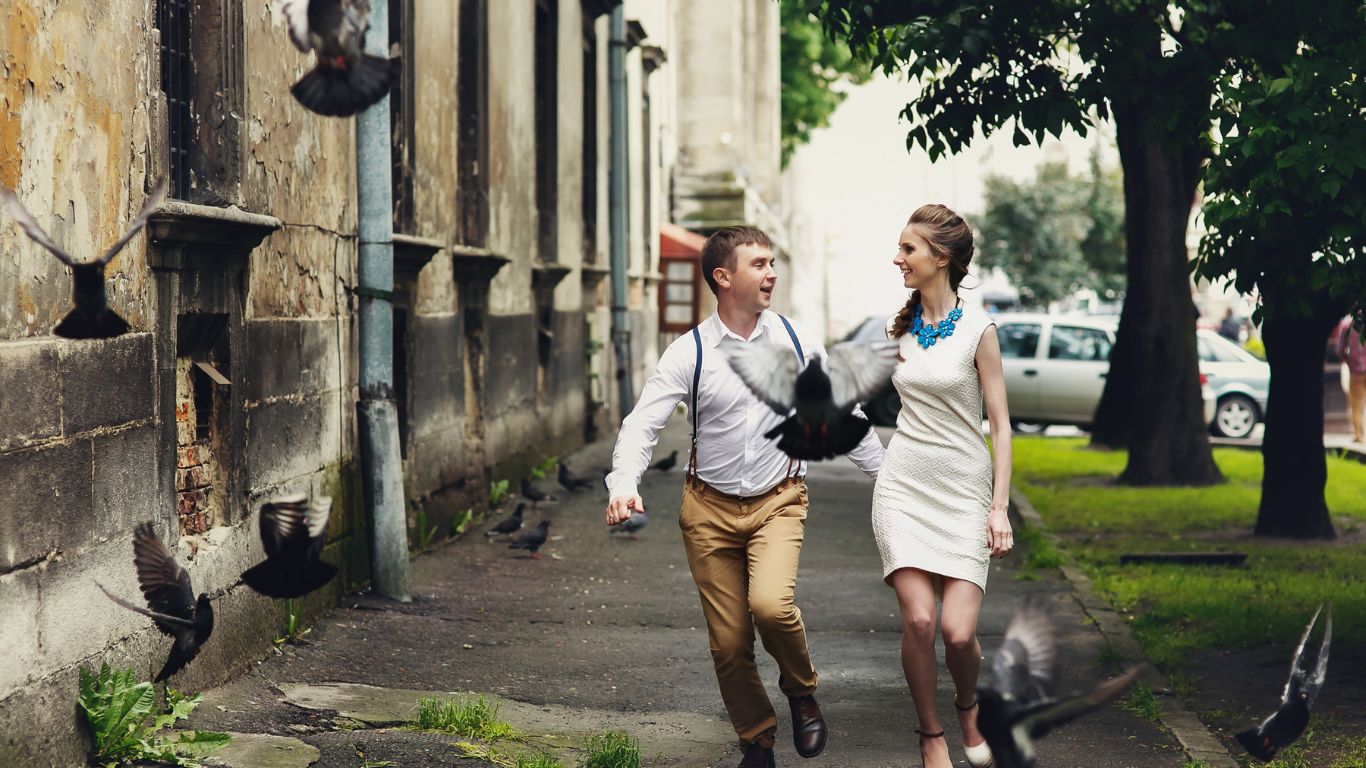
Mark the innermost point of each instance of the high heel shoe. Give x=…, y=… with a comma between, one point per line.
x=979, y=755
x=923, y=736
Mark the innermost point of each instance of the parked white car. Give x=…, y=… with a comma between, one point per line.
x=1055, y=368
x=1241, y=384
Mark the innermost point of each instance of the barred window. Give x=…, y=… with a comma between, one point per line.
x=547, y=176
x=472, y=144
x=590, y=140
x=401, y=113
x=173, y=18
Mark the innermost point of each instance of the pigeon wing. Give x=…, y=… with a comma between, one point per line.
x=154, y=199
x=1026, y=665
x=283, y=521
x=165, y=584
x=1052, y=715
x=26, y=222
x=296, y=16
x=1303, y=681
x=769, y=370
x=160, y=618
x=859, y=370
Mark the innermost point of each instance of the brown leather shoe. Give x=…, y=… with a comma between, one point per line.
x=808, y=725
x=757, y=757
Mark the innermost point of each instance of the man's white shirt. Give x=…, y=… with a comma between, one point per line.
x=733, y=456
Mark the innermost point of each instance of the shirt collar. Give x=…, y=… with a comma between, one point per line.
x=714, y=330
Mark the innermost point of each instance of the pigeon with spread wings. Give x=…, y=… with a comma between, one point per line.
x=346, y=80
x=1288, y=722
x=91, y=318
x=1019, y=706
x=819, y=404
x=170, y=598
x=292, y=532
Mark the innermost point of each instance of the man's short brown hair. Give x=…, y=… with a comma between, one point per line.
x=720, y=249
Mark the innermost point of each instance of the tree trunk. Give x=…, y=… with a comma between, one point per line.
x=1294, y=468
x=1152, y=400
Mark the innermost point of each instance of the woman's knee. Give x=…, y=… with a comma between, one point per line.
x=959, y=637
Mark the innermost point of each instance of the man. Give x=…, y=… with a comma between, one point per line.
x=1353, y=353
x=744, y=501
x=1231, y=327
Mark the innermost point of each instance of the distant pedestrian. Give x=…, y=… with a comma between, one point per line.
x=1352, y=350
x=1231, y=327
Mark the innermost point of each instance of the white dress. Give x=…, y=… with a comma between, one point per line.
x=933, y=492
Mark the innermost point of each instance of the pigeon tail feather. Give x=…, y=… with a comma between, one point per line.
x=79, y=325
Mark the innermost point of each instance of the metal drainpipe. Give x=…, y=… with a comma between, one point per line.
x=621, y=321
x=381, y=465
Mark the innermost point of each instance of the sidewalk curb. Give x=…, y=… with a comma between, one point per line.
x=1195, y=738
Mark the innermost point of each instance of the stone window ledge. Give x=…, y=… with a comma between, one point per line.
x=411, y=254
x=475, y=265
x=592, y=275
x=189, y=236
x=547, y=276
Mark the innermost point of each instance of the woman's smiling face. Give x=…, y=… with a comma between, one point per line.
x=917, y=262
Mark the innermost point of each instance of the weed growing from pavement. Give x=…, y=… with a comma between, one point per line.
x=491, y=755
x=461, y=521
x=294, y=631
x=1043, y=556
x=1143, y=702
x=545, y=467
x=498, y=490
x=472, y=717
x=425, y=534
x=1323, y=737
x=612, y=749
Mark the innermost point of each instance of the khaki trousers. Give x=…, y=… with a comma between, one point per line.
x=1356, y=403
x=743, y=555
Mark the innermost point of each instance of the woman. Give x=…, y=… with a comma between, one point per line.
x=1353, y=353
x=939, y=506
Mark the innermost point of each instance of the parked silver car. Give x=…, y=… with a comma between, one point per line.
x=1241, y=384
x=1055, y=368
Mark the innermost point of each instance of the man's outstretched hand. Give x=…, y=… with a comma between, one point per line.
x=620, y=508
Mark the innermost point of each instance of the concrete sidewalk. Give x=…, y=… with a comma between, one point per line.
x=606, y=632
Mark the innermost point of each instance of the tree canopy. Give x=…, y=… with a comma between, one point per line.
x=812, y=66
x=1057, y=233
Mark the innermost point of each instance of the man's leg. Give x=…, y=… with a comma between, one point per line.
x=774, y=549
x=1357, y=405
x=716, y=556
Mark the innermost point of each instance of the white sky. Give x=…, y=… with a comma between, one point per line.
x=859, y=184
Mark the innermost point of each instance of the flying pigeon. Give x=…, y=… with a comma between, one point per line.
x=292, y=533
x=667, y=463
x=631, y=525
x=536, y=495
x=572, y=482
x=1288, y=722
x=91, y=318
x=823, y=424
x=346, y=80
x=1019, y=707
x=533, y=539
x=174, y=609
x=509, y=524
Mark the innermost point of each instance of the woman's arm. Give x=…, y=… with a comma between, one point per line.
x=999, y=535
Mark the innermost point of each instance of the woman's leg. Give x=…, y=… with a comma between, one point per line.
x=915, y=597
x=962, y=652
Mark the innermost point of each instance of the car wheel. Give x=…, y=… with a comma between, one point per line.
x=1027, y=427
x=1235, y=417
x=884, y=407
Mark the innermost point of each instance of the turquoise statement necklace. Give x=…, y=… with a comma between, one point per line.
x=929, y=333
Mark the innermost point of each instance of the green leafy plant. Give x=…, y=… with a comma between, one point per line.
x=1143, y=702
x=117, y=708
x=545, y=467
x=461, y=521
x=612, y=749
x=364, y=763
x=472, y=717
x=425, y=534
x=294, y=630
x=498, y=490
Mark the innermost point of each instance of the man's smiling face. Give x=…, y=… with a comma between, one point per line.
x=751, y=282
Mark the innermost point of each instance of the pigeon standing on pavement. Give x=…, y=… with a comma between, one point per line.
x=818, y=404
x=667, y=463
x=91, y=318
x=346, y=80
x=510, y=524
x=631, y=525
x=531, y=492
x=1019, y=707
x=533, y=539
x=292, y=533
x=572, y=482
x=174, y=609
x=1288, y=722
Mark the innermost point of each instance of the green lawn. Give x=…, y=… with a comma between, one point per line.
x=1177, y=611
